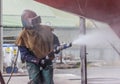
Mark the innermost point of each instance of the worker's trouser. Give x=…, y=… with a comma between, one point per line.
x=37, y=76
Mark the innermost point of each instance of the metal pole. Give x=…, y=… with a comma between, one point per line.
x=1, y=79
x=1, y=38
x=83, y=53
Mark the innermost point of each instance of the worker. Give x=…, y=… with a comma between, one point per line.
x=35, y=43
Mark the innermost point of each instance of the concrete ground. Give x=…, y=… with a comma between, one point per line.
x=96, y=75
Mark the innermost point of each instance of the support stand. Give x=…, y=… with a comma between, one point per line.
x=83, y=53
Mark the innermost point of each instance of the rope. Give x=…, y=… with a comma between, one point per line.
x=79, y=6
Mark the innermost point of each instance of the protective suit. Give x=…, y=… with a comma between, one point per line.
x=35, y=43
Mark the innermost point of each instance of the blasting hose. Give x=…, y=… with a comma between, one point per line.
x=61, y=47
x=56, y=50
x=14, y=65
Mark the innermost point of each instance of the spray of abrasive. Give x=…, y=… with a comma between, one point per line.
x=61, y=47
x=92, y=38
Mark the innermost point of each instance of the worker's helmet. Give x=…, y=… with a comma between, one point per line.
x=30, y=19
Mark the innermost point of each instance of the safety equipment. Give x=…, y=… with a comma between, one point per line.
x=30, y=19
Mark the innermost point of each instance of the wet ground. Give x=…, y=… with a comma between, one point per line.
x=96, y=75
x=103, y=71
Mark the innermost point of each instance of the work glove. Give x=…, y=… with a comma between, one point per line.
x=51, y=55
